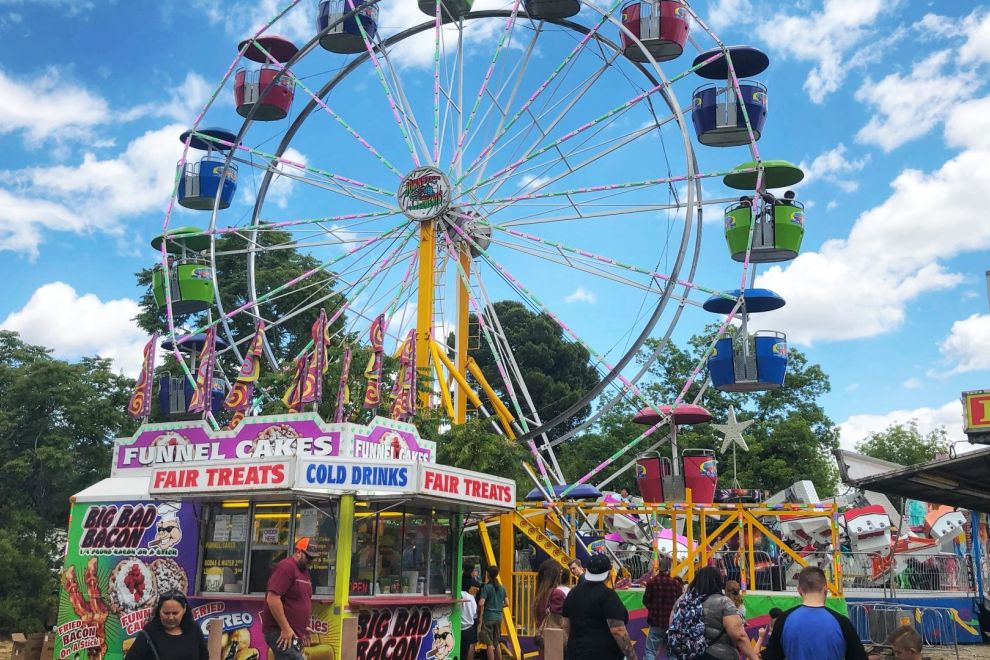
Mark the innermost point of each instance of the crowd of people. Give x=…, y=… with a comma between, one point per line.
x=703, y=620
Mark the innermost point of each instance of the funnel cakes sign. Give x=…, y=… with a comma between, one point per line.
x=270, y=437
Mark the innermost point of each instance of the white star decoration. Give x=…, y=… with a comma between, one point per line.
x=732, y=431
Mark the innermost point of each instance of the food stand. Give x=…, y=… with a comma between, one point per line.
x=210, y=511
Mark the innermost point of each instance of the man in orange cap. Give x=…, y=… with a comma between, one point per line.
x=289, y=604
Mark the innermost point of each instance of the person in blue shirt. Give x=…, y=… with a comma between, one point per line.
x=811, y=631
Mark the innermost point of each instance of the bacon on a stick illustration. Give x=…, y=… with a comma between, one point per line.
x=92, y=612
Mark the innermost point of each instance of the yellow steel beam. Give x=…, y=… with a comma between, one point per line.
x=461, y=381
x=505, y=417
x=444, y=392
x=463, y=331
x=424, y=307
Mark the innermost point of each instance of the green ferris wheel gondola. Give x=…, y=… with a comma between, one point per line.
x=190, y=276
x=776, y=174
x=778, y=233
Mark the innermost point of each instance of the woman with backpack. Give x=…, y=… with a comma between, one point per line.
x=705, y=624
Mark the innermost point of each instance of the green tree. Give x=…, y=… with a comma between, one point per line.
x=791, y=438
x=905, y=444
x=57, y=425
x=557, y=372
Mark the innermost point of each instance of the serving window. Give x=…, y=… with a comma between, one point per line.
x=244, y=540
x=401, y=550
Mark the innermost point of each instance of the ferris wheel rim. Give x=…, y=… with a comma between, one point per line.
x=692, y=208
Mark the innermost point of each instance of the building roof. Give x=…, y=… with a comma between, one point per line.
x=962, y=481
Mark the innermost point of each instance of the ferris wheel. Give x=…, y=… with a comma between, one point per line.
x=543, y=152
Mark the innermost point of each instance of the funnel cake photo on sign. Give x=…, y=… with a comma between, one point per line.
x=133, y=586
x=169, y=576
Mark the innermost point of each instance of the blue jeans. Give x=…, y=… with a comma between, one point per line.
x=655, y=641
x=294, y=652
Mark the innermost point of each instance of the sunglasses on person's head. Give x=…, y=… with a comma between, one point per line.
x=175, y=595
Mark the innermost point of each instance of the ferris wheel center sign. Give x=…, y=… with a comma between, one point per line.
x=424, y=194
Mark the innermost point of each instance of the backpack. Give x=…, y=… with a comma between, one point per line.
x=686, y=633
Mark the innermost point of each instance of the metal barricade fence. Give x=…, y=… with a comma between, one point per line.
x=911, y=572
x=875, y=622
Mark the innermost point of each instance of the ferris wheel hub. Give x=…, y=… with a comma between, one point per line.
x=424, y=194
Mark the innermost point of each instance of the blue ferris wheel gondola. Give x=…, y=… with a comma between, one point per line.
x=201, y=179
x=757, y=300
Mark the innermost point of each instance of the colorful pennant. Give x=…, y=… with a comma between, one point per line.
x=373, y=372
x=312, y=391
x=404, y=389
x=139, y=405
x=203, y=394
x=343, y=391
x=240, y=395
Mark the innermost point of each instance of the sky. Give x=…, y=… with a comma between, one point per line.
x=884, y=104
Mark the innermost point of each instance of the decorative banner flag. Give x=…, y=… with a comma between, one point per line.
x=239, y=397
x=404, y=390
x=373, y=372
x=139, y=406
x=203, y=394
x=318, y=365
x=293, y=396
x=343, y=391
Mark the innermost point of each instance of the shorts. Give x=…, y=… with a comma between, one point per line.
x=490, y=633
x=294, y=652
x=469, y=636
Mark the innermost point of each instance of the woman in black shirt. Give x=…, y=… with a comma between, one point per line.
x=171, y=634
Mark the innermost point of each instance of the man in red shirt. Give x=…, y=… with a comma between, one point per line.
x=659, y=596
x=289, y=604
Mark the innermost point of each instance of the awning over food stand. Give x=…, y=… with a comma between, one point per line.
x=963, y=481
x=114, y=489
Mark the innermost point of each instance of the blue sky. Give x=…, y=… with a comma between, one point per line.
x=884, y=104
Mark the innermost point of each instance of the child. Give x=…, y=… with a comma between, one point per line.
x=906, y=644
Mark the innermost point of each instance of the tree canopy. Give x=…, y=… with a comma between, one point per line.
x=905, y=444
x=57, y=425
x=557, y=372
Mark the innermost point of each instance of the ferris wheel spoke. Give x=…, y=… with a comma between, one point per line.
x=570, y=99
x=609, y=261
x=325, y=107
x=516, y=77
x=379, y=71
x=509, y=24
x=541, y=88
x=437, y=28
x=412, y=126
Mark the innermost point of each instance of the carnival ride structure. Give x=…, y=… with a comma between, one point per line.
x=427, y=181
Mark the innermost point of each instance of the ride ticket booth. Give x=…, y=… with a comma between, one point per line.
x=210, y=512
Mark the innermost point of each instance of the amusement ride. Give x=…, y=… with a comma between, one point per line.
x=505, y=153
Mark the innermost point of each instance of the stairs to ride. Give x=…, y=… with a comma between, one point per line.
x=542, y=541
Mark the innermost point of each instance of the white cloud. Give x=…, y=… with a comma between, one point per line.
x=281, y=187
x=968, y=125
x=48, y=107
x=831, y=165
x=906, y=107
x=824, y=38
x=75, y=325
x=729, y=13
x=184, y=102
x=93, y=195
x=912, y=383
x=582, y=295
x=858, y=427
x=976, y=27
x=965, y=348
x=242, y=20
x=860, y=286
x=831, y=205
